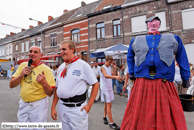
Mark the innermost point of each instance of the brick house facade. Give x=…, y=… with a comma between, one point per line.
x=102, y=22
x=105, y=23
x=76, y=29
x=133, y=14
x=182, y=24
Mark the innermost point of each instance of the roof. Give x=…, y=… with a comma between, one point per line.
x=65, y=16
x=28, y=32
x=109, y=2
x=6, y=39
x=84, y=10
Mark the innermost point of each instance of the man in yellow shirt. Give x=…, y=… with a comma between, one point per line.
x=35, y=86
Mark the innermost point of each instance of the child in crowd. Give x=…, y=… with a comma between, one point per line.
x=107, y=94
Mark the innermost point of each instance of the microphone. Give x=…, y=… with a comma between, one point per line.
x=29, y=64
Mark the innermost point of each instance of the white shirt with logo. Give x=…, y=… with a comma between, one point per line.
x=105, y=83
x=78, y=74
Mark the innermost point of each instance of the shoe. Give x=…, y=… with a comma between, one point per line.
x=105, y=120
x=114, y=126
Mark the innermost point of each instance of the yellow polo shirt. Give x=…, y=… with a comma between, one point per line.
x=31, y=90
x=12, y=68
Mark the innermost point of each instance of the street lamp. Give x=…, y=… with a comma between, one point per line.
x=34, y=20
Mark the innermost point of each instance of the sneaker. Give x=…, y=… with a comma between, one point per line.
x=105, y=120
x=114, y=126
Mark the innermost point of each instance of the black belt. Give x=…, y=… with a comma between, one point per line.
x=77, y=98
x=152, y=70
x=74, y=105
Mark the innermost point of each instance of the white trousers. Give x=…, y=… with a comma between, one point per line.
x=33, y=111
x=72, y=118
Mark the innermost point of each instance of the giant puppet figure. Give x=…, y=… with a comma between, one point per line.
x=154, y=102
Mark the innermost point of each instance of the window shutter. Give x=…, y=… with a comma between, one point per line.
x=162, y=17
x=138, y=24
x=188, y=18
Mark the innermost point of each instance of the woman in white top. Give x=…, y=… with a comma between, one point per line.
x=54, y=70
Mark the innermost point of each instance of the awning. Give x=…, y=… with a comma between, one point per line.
x=118, y=51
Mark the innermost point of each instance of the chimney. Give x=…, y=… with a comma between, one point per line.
x=23, y=30
x=83, y=3
x=7, y=35
x=64, y=11
x=11, y=33
x=50, y=18
x=39, y=23
x=31, y=26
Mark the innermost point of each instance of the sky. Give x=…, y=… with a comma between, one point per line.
x=18, y=12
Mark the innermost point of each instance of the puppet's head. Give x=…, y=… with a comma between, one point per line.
x=153, y=24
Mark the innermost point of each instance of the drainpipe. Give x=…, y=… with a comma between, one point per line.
x=88, y=41
x=123, y=25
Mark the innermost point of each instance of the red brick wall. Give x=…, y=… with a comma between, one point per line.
x=176, y=21
x=83, y=45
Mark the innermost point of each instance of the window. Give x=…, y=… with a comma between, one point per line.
x=33, y=43
x=10, y=50
x=108, y=6
x=53, y=39
x=39, y=44
x=100, y=30
x=189, y=49
x=116, y=28
x=75, y=36
x=187, y=18
x=162, y=17
x=138, y=24
x=22, y=47
x=27, y=46
x=7, y=51
x=16, y=48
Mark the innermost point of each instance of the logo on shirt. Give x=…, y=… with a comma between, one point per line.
x=28, y=79
x=76, y=72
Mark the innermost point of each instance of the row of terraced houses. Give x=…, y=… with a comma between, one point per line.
x=102, y=24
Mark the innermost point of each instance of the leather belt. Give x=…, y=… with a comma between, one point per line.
x=152, y=70
x=77, y=98
x=74, y=105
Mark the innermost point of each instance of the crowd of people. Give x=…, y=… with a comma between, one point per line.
x=148, y=82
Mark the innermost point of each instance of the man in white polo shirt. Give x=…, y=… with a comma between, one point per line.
x=96, y=70
x=71, y=84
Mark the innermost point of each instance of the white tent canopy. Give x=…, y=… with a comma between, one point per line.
x=118, y=51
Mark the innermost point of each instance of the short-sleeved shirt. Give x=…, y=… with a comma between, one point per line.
x=31, y=90
x=78, y=74
x=105, y=83
x=12, y=69
x=96, y=70
x=54, y=73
